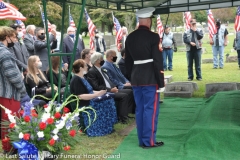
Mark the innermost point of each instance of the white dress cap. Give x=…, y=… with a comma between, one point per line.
x=145, y=12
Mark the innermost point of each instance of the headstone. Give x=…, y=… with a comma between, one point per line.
x=109, y=40
x=231, y=59
x=204, y=50
x=168, y=78
x=208, y=60
x=184, y=90
x=212, y=88
x=179, y=39
x=194, y=84
x=238, y=86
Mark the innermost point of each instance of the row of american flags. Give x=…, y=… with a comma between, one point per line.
x=9, y=11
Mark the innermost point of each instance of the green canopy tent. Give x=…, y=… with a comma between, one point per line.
x=162, y=7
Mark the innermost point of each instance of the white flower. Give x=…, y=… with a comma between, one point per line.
x=55, y=131
x=60, y=125
x=47, y=109
x=40, y=134
x=76, y=114
x=55, y=137
x=11, y=118
x=104, y=70
x=20, y=135
x=45, y=116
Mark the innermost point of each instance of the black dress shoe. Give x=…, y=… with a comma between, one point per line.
x=157, y=144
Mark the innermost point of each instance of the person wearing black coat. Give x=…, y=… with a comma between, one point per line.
x=144, y=64
x=68, y=45
x=121, y=64
x=99, y=80
x=40, y=46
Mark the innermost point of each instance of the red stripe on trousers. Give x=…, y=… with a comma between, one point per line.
x=154, y=115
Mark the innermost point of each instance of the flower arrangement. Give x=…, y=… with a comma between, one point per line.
x=52, y=128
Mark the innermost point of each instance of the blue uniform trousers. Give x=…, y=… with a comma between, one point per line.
x=147, y=109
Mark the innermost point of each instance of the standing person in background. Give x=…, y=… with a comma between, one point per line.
x=68, y=45
x=236, y=46
x=29, y=39
x=124, y=37
x=99, y=43
x=218, y=43
x=19, y=49
x=144, y=64
x=12, y=88
x=192, y=38
x=168, y=41
x=40, y=47
x=58, y=36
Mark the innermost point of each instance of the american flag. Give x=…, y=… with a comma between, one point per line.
x=160, y=26
x=137, y=21
x=71, y=21
x=9, y=11
x=187, y=19
x=211, y=25
x=91, y=29
x=237, y=20
x=118, y=29
x=43, y=19
x=108, y=95
x=19, y=22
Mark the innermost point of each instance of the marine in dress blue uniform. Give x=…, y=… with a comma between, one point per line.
x=144, y=64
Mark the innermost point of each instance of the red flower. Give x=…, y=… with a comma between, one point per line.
x=66, y=110
x=57, y=115
x=34, y=114
x=42, y=125
x=51, y=142
x=50, y=121
x=6, y=139
x=21, y=113
x=26, y=136
x=66, y=148
x=27, y=119
x=11, y=125
x=45, y=106
x=72, y=133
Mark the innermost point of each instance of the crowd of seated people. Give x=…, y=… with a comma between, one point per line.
x=92, y=77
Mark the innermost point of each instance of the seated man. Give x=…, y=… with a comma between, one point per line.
x=113, y=71
x=100, y=81
x=121, y=64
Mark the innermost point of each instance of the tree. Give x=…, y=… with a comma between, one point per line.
x=200, y=16
x=30, y=9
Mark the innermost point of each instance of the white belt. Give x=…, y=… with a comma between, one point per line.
x=143, y=61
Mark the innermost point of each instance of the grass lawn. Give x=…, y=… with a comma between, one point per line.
x=95, y=148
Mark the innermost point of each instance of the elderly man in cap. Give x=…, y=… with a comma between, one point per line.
x=144, y=64
x=192, y=38
x=167, y=43
x=218, y=42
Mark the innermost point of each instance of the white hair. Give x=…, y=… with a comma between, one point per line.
x=70, y=28
x=125, y=29
x=29, y=27
x=96, y=56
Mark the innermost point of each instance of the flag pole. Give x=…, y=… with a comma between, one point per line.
x=42, y=17
x=69, y=15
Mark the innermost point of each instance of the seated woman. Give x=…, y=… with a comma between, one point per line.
x=36, y=79
x=55, y=68
x=86, y=56
x=105, y=108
